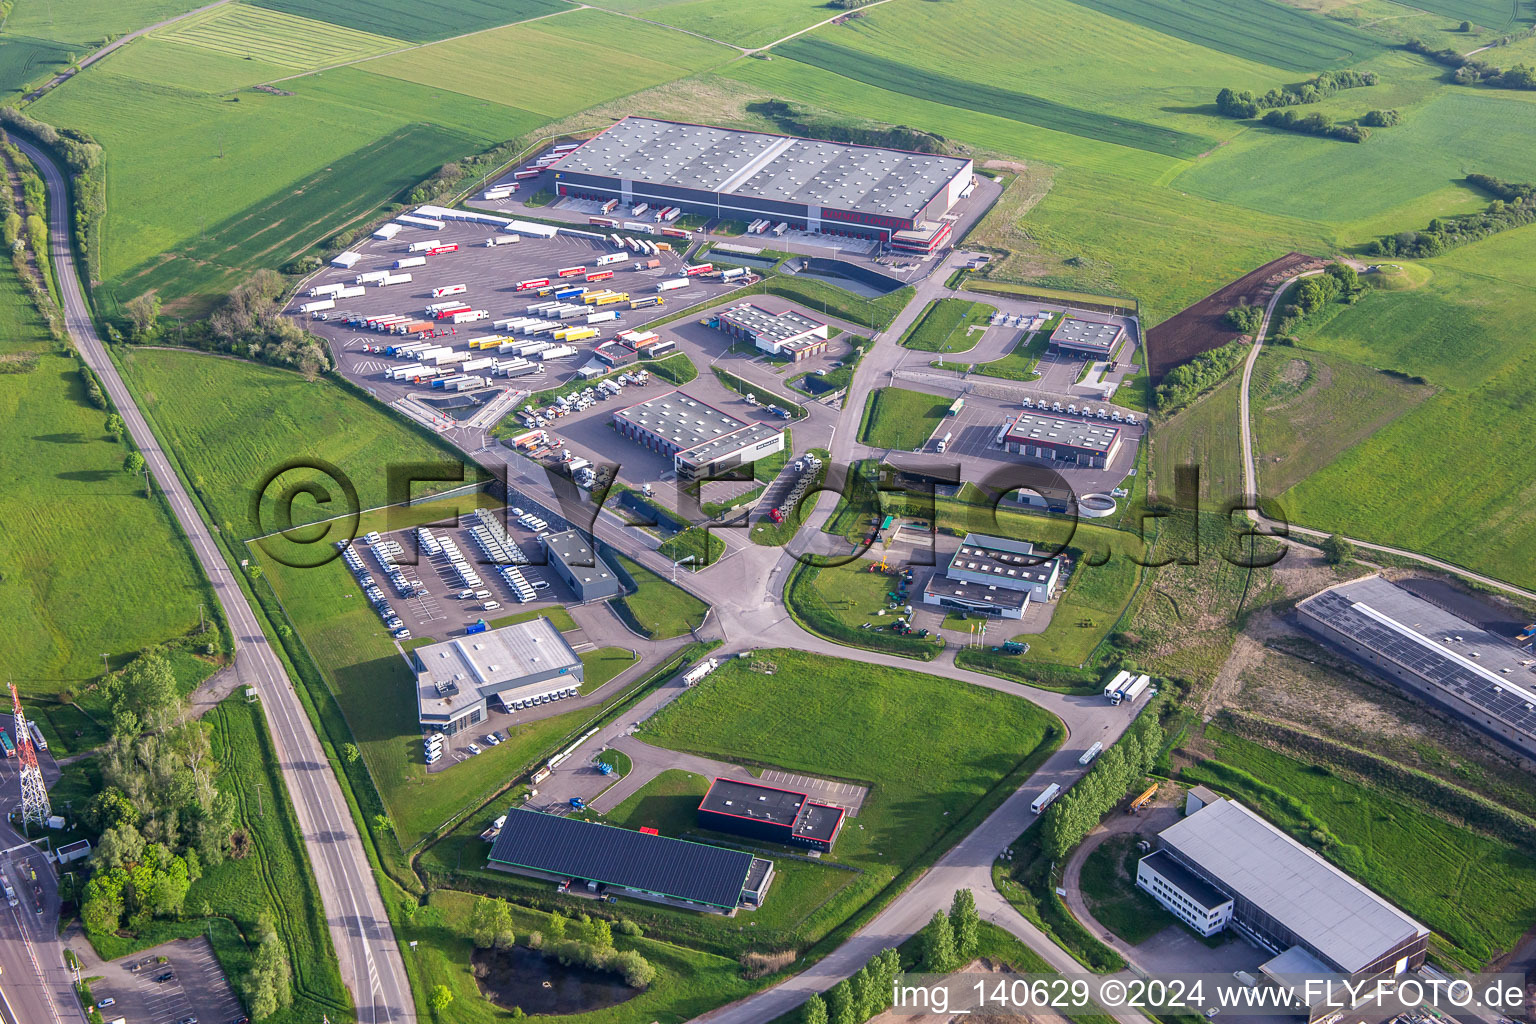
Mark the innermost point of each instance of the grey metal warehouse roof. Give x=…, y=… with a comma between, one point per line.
x=727, y=444
x=1250, y=858
x=1059, y=430
x=684, y=421
x=1086, y=334
x=763, y=166
x=619, y=857
x=1444, y=649
x=778, y=327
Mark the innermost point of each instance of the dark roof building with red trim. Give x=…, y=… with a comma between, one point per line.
x=766, y=812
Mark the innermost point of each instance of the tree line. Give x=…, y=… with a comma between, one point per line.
x=83, y=158
x=1311, y=295
x=1515, y=207
x=1471, y=71
x=1323, y=125
x=1245, y=104
x=1117, y=770
x=1188, y=381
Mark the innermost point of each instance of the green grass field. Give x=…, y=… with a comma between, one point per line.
x=274, y=880
x=1307, y=409
x=70, y=510
x=493, y=66
x=840, y=601
x=1204, y=436
x=1109, y=886
x=1436, y=145
x=1477, y=893
x=233, y=423
x=894, y=76
x=922, y=743
x=26, y=61
x=275, y=37
x=950, y=325
x=418, y=19
x=1042, y=48
x=660, y=609
x=743, y=22
x=902, y=419
x=1459, y=497
x=1259, y=30
x=84, y=23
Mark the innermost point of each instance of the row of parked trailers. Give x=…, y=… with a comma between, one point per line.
x=758, y=227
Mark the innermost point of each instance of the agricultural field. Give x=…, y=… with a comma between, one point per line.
x=69, y=511
x=1042, y=49
x=493, y=66
x=950, y=325
x=418, y=20
x=1307, y=409
x=1264, y=31
x=901, y=419
x=223, y=187
x=895, y=76
x=1460, y=497
x=83, y=24
x=233, y=423
x=300, y=44
x=898, y=731
x=1204, y=435
x=740, y=22
x=1436, y=145
x=1475, y=892
x=25, y=61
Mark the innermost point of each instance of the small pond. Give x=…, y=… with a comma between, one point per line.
x=518, y=976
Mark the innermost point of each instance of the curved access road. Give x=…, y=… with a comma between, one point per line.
x=370, y=960
x=1251, y=480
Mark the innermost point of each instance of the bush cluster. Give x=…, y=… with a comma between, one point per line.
x=1247, y=319
x=856, y=999
x=1316, y=124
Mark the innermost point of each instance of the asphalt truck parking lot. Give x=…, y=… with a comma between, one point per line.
x=490, y=275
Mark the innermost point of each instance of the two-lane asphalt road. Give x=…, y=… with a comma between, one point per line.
x=370, y=959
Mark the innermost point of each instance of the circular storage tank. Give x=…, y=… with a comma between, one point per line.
x=1096, y=506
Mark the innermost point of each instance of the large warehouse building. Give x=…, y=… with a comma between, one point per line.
x=765, y=812
x=456, y=678
x=1081, y=442
x=1225, y=866
x=639, y=864
x=890, y=195
x=788, y=333
x=701, y=440
x=1477, y=675
x=1095, y=338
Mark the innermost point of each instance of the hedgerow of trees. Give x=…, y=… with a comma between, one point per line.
x=249, y=322
x=858, y=998
x=1117, y=770
x=82, y=157
x=1316, y=124
x=1471, y=71
x=1245, y=104
x=1188, y=381
x=1515, y=207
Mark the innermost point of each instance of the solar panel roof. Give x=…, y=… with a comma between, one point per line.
x=619, y=857
x=1480, y=667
